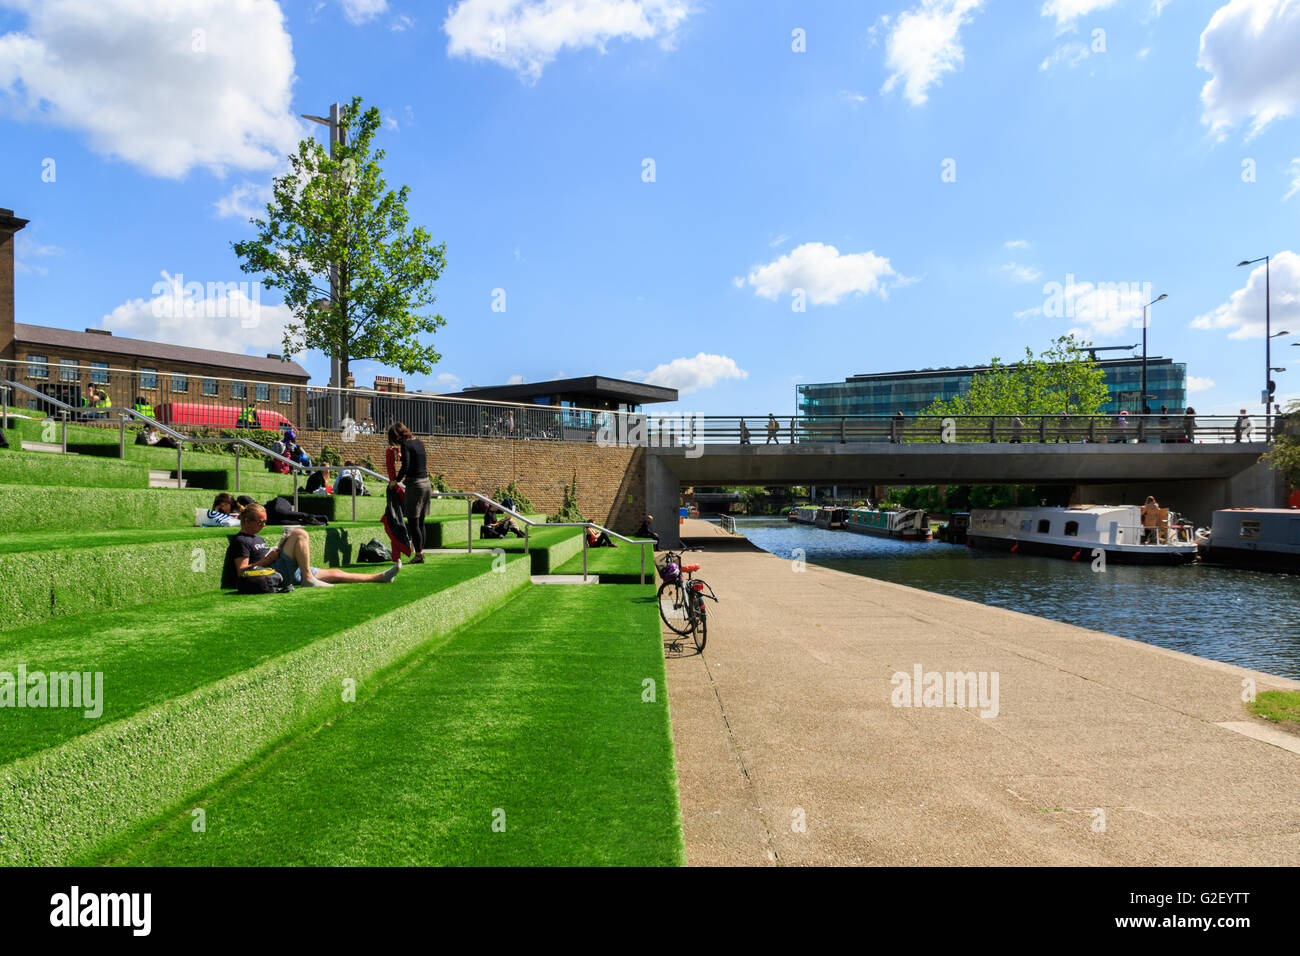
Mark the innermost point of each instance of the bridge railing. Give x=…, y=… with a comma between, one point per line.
x=958, y=429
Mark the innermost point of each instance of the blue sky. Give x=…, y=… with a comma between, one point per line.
x=915, y=175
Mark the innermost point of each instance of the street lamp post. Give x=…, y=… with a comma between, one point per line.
x=1268, y=339
x=1146, y=410
x=337, y=138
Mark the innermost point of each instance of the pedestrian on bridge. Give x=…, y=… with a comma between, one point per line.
x=744, y=432
x=772, y=429
x=1244, y=427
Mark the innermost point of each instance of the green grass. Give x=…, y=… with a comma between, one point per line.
x=48, y=508
x=620, y=565
x=536, y=711
x=45, y=468
x=1278, y=706
x=43, y=577
x=451, y=530
x=284, y=657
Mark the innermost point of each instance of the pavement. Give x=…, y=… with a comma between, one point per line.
x=1103, y=751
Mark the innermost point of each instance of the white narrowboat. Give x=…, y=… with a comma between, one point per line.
x=1076, y=533
x=1266, y=539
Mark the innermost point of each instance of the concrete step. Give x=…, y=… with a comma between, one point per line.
x=163, y=479
x=42, y=446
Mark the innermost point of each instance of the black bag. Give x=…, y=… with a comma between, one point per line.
x=374, y=552
x=279, y=511
x=261, y=581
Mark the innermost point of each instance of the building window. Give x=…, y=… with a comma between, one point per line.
x=1071, y=529
x=238, y=390
x=180, y=383
x=263, y=392
x=286, y=395
x=37, y=367
x=68, y=370
x=98, y=373
x=148, y=378
x=209, y=386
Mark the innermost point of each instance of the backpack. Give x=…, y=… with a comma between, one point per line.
x=261, y=581
x=374, y=552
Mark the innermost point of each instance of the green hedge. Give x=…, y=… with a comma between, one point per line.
x=69, y=471
x=60, y=805
x=37, y=586
x=252, y=481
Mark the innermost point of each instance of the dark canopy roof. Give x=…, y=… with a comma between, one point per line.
x=592, y=386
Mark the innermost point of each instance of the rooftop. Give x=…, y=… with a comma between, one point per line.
x=611, y=389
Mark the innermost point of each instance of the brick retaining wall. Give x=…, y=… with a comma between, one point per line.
x=611, y=481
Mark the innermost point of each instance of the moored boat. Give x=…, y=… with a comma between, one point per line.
x=829, y=518
x=804, y=514
x=1077, y=532
x=1265, y=539
x=906, y=524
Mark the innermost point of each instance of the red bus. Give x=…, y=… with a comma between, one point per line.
x=217, y=416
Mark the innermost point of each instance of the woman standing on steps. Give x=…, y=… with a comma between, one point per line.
x=415, y=473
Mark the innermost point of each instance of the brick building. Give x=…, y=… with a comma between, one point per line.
x=63, y=363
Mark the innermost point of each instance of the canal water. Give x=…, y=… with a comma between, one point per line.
x=1242, y=617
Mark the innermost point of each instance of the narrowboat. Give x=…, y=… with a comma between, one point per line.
x=906, y=524
x=804, y=514
x=1075, y=533
x=829, y=518
x=1265, y=539
x=954, y=530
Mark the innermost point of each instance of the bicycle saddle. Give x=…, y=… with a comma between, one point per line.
x=690, y=567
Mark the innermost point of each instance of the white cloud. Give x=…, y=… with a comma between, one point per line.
x=401, y=22
x=853, y=98
x=691, y=374
x=1019, y=273
x=228, y=316
x=447, y=380
x=1067, y=12
x=1250, y=48
x=1294, y=172
x=515, y=380
x=1158, y=6
x=526, y=35
x=363, y=11
x=824, y=274
x=26, y=249
x=1104, y=308
x=924, y=44
x=165, y=86
x=1243, y=313
x=1028, y=313
x=1017, y=244
x=244, y=201
x=779, y=241
x=1196, y=383
x=1071, y=54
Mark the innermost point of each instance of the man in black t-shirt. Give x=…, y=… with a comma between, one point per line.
x=292, y=558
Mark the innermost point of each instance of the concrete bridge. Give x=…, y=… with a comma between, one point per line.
x=1194, y=478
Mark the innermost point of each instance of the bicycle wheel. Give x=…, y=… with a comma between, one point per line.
x=701, y=625
x=673, y=607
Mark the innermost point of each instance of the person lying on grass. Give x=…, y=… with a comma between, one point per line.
x=224, y=512
x=292, y=558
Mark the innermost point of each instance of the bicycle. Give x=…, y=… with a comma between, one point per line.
x=681, y=601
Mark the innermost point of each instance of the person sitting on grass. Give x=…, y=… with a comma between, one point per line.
x=224, y=512
x=598, y=540
x=292, y=558
x=647, y=530
x=494, y=527
x=350, y=476
x=318, y=483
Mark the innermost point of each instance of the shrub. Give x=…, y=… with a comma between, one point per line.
x=569, y=510
x=523, y=504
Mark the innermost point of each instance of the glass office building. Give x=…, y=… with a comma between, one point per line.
x=887, y=393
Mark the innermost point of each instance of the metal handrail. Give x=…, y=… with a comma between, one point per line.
x=529, y=524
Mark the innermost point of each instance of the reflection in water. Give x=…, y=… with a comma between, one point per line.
x=1242, y=617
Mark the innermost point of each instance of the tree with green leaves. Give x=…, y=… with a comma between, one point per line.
x=1284, y=454
x=336, y=213
x=1063, y=378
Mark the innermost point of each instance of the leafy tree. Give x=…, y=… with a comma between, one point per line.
x=337, y=212
x=1284, y=455
x=523, y=504
x=1063, y=378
